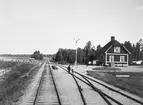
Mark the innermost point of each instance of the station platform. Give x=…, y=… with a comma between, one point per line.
x=69, y=90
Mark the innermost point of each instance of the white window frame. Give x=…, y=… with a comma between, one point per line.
x=122, y=58
x=111, y=58
x=117, y=49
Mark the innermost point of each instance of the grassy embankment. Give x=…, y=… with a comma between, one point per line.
x=132, y=84
x=15, y=81
x=7, y=64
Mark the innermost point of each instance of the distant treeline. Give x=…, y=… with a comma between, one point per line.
x=90, y=53
x=23, y=55
x=15, y=55
x=135, y=49
x=36, y=55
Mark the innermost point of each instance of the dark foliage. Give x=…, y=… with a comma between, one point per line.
x=83, y=55
x=12, y=84
x=136, y=50
x=37, y=55
x=7, y=64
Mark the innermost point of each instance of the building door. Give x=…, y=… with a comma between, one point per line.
x=111, y=58
x=122, y=58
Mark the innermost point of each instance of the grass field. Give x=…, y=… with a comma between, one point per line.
x=132, y=84
x=7, y=64
x=15, y=81
x=106, y=68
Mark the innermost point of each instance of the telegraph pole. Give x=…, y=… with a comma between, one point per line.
x=76, y=42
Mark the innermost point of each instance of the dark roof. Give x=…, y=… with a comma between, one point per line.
x=111, y=43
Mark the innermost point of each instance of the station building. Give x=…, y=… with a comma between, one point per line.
x=114, y=53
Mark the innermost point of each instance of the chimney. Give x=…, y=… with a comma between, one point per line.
x=112, y=38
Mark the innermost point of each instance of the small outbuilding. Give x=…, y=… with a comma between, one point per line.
x=114, y=53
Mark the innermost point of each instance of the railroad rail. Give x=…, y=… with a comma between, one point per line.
x=137, y=101
x=80, y=90
x=105, y=96
x=39, y=87
x=58, y=96
x=42, y=89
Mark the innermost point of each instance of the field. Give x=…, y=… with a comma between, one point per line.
x=107, y=68
x=15, y=80
x=7, y=64
x=132, y=84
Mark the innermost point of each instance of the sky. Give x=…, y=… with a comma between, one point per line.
x=47, y=25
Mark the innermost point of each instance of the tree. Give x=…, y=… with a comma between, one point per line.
x=80, y=55
x=98, y=51
x=141, y=44
x=133, y=53
x=59, y=56
x=37, y=55
x=137, y=49
x=129, y=47
x=141, y=49
x=87, y=49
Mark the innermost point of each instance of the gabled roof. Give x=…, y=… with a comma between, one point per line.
x=112, y=43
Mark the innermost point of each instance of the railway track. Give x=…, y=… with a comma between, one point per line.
x=80, y=90
x=39, y=89
x=109, y=99
x=47, y=92
x=111, y=89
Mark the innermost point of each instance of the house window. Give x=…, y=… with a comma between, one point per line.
x=122, y=58
x=117, y=49
x=111, y=58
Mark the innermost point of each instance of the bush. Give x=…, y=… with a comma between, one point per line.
x=7, y=64
x=37, y=55
x=12, y=83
